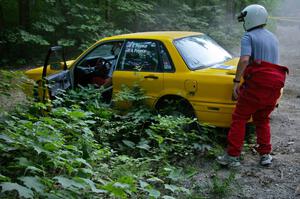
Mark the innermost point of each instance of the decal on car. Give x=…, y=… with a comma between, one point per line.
x=223, y=67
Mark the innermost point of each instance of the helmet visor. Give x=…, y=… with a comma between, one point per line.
x=241, y=17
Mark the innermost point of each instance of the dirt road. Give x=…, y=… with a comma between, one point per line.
x=282, y=179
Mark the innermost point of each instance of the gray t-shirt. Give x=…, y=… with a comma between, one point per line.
x=260, y=44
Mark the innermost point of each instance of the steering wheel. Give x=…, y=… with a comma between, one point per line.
x=102, y=67
x=101, y=62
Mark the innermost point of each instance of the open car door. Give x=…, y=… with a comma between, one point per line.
x=52, y=84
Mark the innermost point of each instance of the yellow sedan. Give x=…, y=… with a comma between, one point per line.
x=187, y=69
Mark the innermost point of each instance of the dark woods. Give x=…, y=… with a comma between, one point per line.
x=29, y=27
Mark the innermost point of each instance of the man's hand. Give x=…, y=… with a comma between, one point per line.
x=235, y=92
x=243, y=63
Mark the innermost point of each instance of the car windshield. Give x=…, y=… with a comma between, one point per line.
x=201, y=51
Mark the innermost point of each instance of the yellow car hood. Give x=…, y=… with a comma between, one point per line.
x=36, y=73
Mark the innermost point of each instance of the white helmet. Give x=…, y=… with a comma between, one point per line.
x=253, y=16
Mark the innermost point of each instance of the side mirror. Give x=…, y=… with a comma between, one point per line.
x=57, y=53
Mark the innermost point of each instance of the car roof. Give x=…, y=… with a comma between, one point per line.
x=157, y=35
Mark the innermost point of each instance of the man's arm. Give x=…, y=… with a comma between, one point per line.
x=243, y=63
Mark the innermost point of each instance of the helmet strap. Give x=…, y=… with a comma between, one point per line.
x=260, y=26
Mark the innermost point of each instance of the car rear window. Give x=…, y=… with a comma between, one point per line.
x=201, y=51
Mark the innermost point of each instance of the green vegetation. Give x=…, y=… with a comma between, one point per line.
x=9, y=82
x=75, y=24
x=78, y=146
x=222, y=187
x=11, y=90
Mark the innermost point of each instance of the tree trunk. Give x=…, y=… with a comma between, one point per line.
x=24, y=17
x=2, y=45
x=230, y=13
x=1, y=18
x=107, y=10
x=230, y=10
x=194, y=7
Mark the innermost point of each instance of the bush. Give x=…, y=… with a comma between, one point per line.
x=81, y=147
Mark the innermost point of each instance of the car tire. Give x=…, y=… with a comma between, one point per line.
x=178, y=107
x=175, y=107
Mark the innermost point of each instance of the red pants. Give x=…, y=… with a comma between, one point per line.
x=260, y=113
x=257, y=98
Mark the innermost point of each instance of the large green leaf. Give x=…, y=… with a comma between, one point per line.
x=33, y=183
x=143, y=144
x=83, y=161
x=115, y=190
x=6, y=138
x=34, y=170
x=168, y=197
x=38, y=149
x=144, y=184
x=171, y=187
x=77, y=114
x=154, y=193
x=128, y=143
x=92, y=186
x=22, y=191
x=69, y=183
x=4, y=178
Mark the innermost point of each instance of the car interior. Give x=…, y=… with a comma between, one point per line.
x=94, y=68
x=97, y=67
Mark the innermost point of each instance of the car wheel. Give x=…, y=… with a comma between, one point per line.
x=178, y=107
x=175, y=107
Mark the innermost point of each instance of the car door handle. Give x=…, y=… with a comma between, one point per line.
x=150, y=77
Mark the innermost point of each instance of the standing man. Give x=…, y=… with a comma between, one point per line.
x=258, y=95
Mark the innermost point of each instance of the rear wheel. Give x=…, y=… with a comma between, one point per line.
x=176, y=106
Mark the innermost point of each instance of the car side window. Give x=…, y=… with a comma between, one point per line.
x=107, y=51
x=167, y=65
x=102, y=50
x=139, y=55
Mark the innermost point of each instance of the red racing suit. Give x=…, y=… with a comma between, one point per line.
x=257, y=98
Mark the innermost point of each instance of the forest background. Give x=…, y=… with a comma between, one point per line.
x=82, y=148
x=75, y=24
